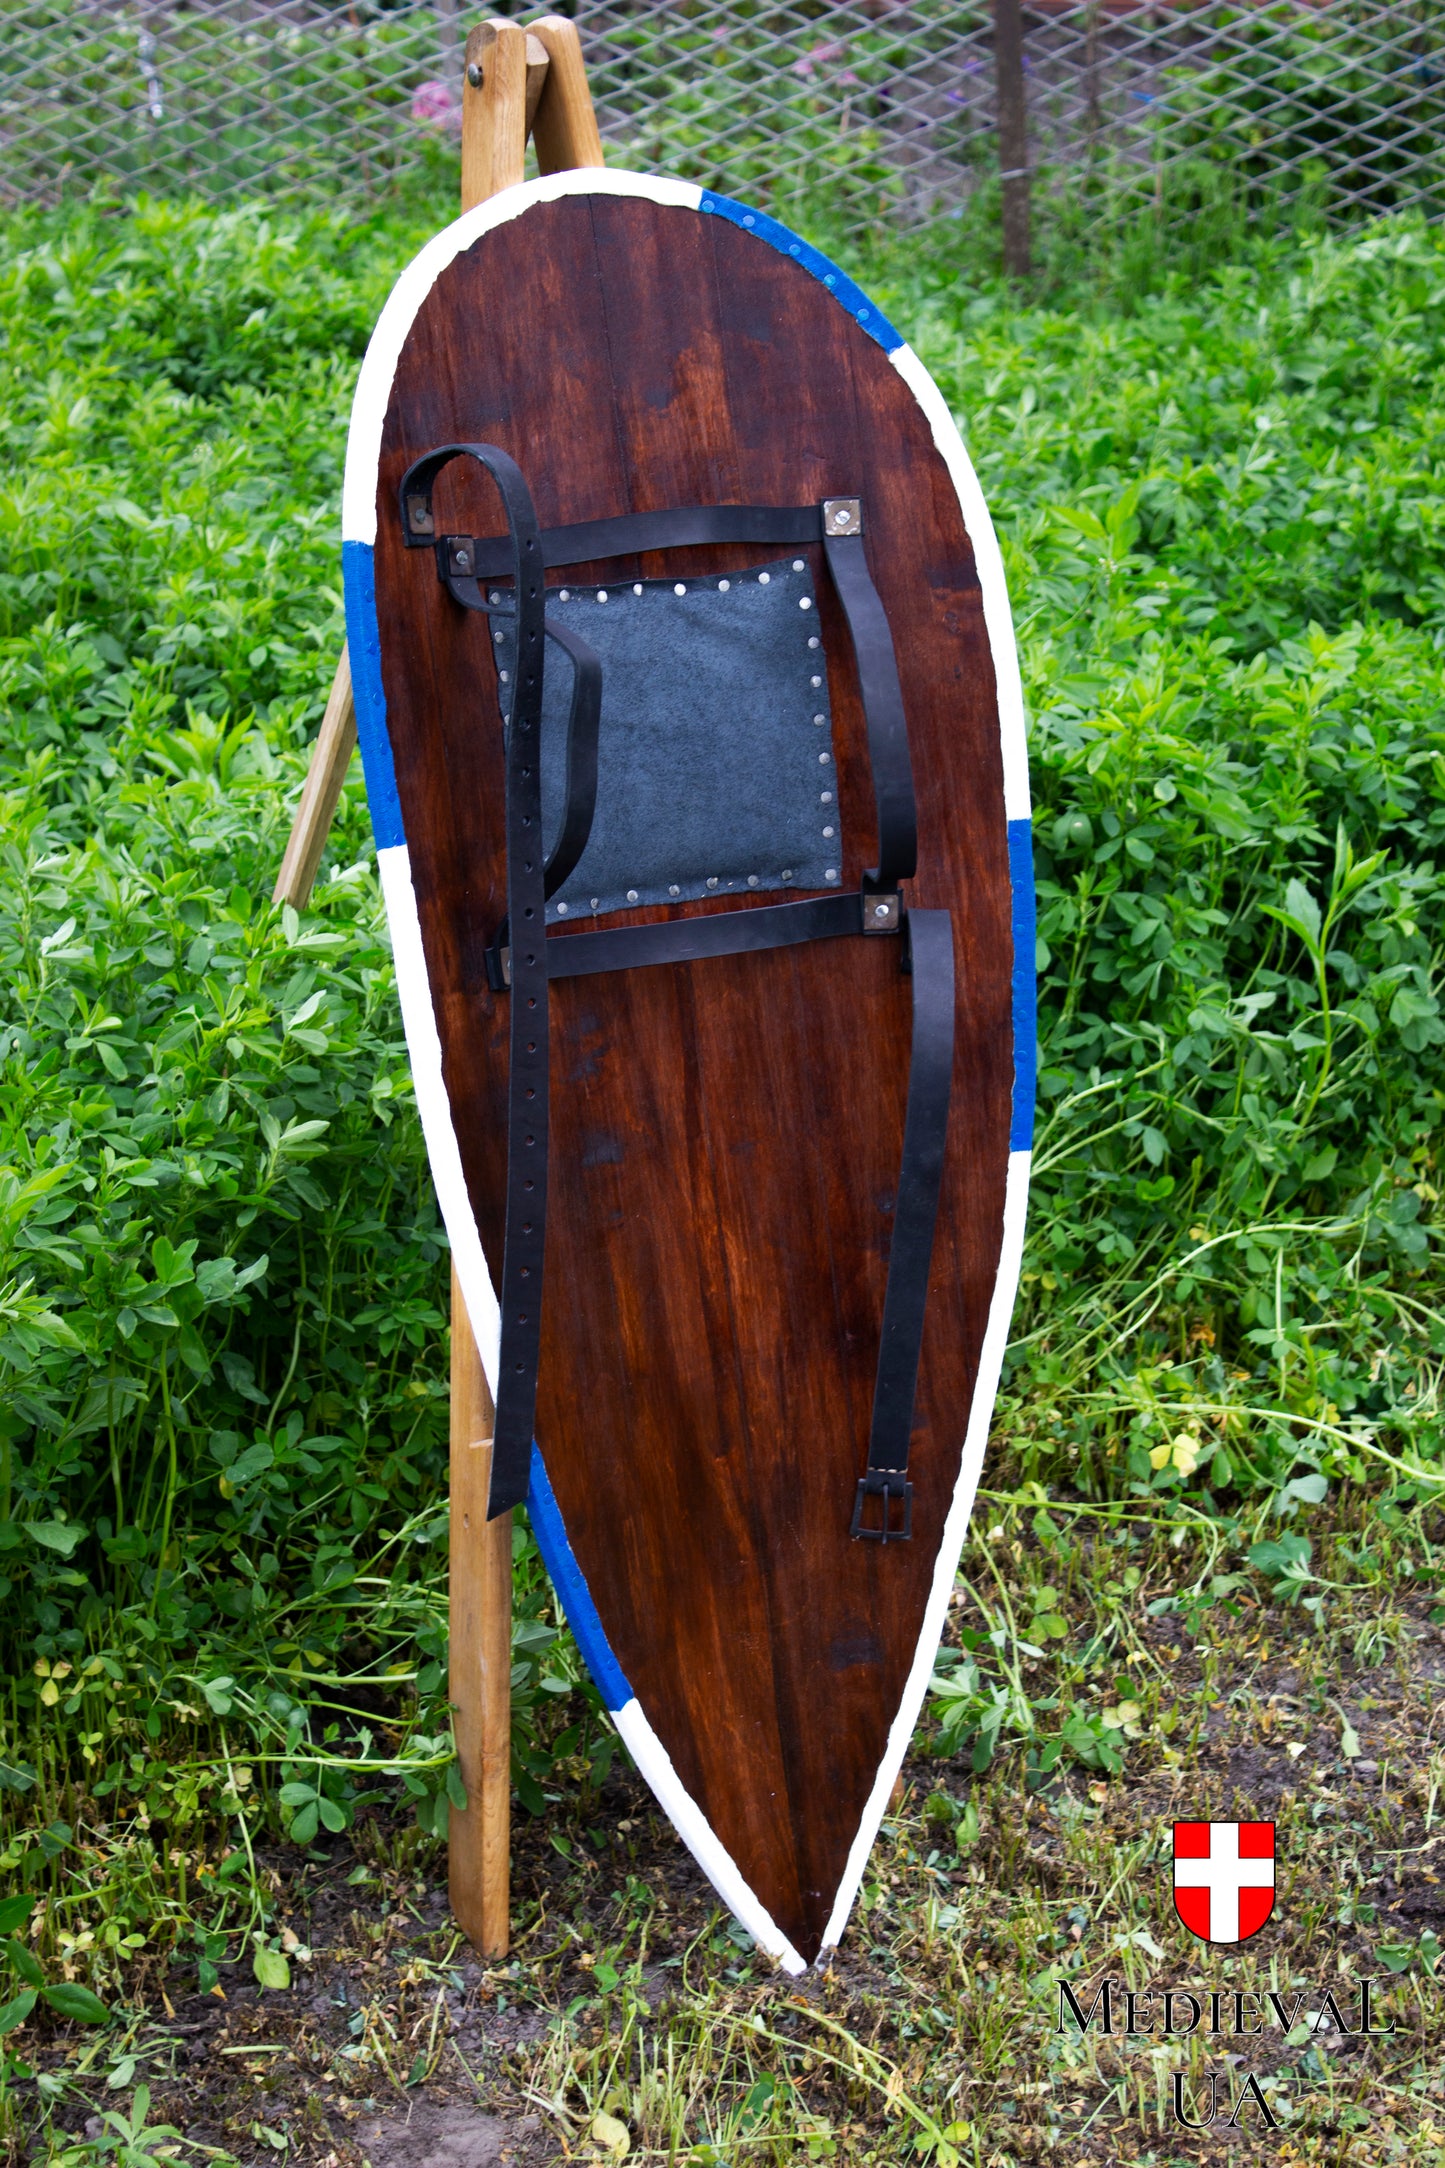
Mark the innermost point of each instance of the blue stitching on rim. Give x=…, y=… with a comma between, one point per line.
x=864, y=312
x=363, y=641
x=1025, y=989
x=572, y=1589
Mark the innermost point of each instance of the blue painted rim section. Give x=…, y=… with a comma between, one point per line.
x=1025, y=1003
x=363, y=641
x=572, y=1590
x=864, y=312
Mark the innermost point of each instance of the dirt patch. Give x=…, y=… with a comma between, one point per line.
x=436, y=2134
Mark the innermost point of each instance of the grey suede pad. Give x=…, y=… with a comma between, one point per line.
x=715, y=770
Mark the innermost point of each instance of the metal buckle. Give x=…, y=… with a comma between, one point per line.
x=499, y=969
x=882, y=913
x=842, y=515
x=887, y=1484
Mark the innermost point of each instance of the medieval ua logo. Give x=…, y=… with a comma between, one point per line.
x=1224, y=1878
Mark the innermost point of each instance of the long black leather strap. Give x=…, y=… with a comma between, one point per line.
x=630, y=534
x=882, y=698
x=915, y=1218
x=524, y=1239
x=719, y=933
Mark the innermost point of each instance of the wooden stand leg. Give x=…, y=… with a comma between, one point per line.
x=565, y=126
x=513, y=78
x=330, y=758
x=505, y=73
x=481, y=1657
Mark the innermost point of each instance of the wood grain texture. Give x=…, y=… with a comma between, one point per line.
x=480, y=1682
x=496, y=112
x=725, y=1134
x=564, y=125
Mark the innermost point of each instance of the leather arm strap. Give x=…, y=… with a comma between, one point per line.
x=915, y=1219
x=929, y=957
x=719, y=933
x=630, y=534
x=583, y=720
x=882, y=697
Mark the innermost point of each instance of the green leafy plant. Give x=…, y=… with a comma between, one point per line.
x=71, y=2000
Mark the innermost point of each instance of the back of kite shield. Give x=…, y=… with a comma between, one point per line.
x=776, y=934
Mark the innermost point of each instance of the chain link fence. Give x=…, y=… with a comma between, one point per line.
x=880, y=108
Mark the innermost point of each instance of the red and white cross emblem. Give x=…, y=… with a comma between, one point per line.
x=1224, y=1878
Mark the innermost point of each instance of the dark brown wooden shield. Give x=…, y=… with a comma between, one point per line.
x=725, y=1133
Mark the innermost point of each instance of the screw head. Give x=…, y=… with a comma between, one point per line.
x=474, y=74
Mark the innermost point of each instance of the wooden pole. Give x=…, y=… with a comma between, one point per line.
x=515, y=80
x=565, y=126
x=1013, y=141
x=505, y=70
x=480, y=1689
x=330, y=758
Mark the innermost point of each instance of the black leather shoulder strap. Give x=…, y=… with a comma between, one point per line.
x=526, y=1222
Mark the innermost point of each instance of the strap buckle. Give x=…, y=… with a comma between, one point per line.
x=888, y=1484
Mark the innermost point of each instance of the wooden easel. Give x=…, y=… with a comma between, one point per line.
x=519, y=82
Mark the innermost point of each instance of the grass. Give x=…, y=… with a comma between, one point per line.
x=224, y=1739
x=939, y=2033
